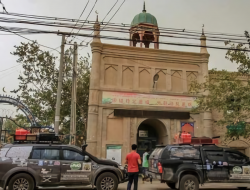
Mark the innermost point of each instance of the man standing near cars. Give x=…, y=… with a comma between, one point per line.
x=133, y=160
x=145, y=158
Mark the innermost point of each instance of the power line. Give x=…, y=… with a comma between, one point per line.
x=117, y=24
x=8, y=73
x=110, y=18
x=126, y=39
x=80, y=16
x=10, y=67
x=88, y=15
x=110, y=10
x=4, y=9
x=28, y=39
x=121, y=30
x=104, y=17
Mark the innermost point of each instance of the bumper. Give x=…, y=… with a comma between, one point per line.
x=124, y=180
x=153, y=175
x=125, y=175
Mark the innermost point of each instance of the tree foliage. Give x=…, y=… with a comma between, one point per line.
x=39, y=80
x=228, y=92
x=12, y=124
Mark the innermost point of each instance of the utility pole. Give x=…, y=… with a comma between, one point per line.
x=73, y=97
x=59, y=88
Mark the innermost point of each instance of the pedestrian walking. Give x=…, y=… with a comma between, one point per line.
x=133, y=160
x=145, y=165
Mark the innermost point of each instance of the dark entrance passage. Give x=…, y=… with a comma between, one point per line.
x=151, y=132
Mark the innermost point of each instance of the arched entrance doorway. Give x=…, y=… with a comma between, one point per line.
x=150, y=133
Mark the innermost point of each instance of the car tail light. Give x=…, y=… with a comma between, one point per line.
x=159, y=167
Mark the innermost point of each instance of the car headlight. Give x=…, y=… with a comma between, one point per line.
x=121, y=167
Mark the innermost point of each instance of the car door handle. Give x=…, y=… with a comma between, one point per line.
x=66, y=164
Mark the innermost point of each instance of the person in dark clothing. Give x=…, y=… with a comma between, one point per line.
x=133, y=159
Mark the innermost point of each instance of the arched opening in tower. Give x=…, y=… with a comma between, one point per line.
x=148, y=38
x=135, y=39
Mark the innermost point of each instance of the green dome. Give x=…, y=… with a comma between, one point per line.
x=144, y=17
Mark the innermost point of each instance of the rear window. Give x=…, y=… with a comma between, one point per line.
x=215, y=155
x=46, y=154
x=234, y=157
x=3, y=152
x=157, y=152
x=184, y=153
x=19, y=152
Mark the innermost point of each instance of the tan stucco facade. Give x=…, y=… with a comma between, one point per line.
x=129, y=71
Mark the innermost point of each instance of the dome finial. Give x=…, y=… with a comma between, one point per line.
x=144, y=7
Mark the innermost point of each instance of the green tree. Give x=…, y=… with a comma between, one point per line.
x=228, y=92
x=38, y=85
x=11, y=124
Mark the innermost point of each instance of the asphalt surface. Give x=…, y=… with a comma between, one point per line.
x=156, y=185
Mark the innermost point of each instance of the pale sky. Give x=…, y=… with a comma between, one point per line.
x=223, y=16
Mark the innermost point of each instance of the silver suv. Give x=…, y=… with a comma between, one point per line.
x=46, y=166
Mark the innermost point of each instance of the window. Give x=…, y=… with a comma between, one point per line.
x=3, y=152
x=233, y=157
x=72, y=155
x=215, y=155
x=184, y=153
x=157, y=152
x=19, y=152
x=46, y=154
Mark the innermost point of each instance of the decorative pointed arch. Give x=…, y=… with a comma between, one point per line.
x=16, y=102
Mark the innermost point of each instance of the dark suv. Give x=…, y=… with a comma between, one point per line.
x=45, y=166
x=184, y=167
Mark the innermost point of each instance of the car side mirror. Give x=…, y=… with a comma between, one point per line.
x=86, y=158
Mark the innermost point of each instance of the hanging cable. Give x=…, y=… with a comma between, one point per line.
x=79, y=17
x=28, y=39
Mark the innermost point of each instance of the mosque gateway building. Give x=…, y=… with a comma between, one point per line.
x=139, y=95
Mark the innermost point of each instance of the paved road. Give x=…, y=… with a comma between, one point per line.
x=161, y=186
x=156, y=185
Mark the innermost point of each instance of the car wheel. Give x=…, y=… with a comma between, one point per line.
x=189, y=182
x=21, y=181
x=242, y=188
x=171, y=185
x=107, y=181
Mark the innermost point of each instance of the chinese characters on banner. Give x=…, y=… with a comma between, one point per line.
x=125, y=98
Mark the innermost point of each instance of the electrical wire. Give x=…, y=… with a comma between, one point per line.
x=11, y=67
x=103, y=19
x=8, y=73
x=4, y=9
x=126, y=39
x=88, y=15
x=121, y=30
x=116, y=24
x=79, y=17
x=28, y=39
x=109, y=19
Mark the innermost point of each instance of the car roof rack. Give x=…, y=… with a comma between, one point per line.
x=41, y=138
